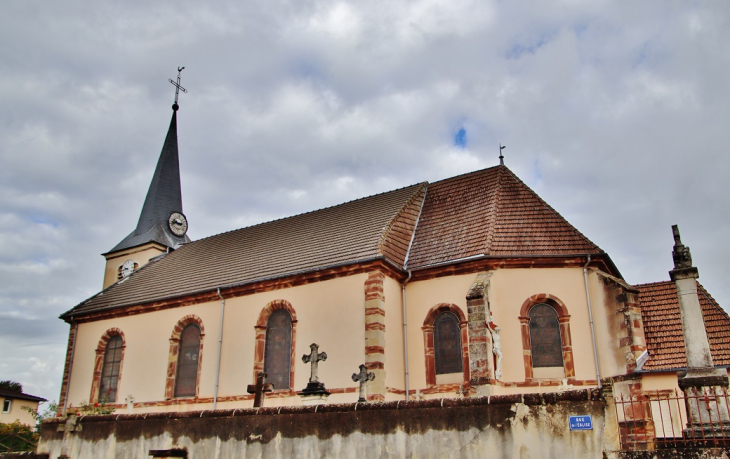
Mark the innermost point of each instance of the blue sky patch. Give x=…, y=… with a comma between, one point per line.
x=460, y=138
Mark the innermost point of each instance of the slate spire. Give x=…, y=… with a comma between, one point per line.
x=163, y=198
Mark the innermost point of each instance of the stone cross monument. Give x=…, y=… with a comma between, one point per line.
x=259, y=389
x=703, y=381
x=315, y=386
x=314, y=358
x=363, y=377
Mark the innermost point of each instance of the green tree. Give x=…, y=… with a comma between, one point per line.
x=11, y=385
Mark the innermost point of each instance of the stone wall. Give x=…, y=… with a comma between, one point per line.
x=508, y=426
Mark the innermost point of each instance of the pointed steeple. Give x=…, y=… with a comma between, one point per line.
x=164, y=198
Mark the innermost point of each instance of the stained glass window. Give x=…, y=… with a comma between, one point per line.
x=277, y=354
x=545, y=340
x=187, y=362
x=447, y=343
x=110, y=370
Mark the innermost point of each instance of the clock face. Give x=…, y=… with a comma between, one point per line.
x=128, y=268
x=178, y=223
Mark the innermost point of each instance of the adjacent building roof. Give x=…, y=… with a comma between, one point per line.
x=11, y=394
x=163, y=198
x=488, y=212
x=663, y=326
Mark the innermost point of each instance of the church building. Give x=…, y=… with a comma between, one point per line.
x=467, y=286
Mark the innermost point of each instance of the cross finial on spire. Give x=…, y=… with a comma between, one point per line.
x=178, y=88
x=501, y=158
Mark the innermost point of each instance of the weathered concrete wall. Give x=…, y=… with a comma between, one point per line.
x=687, y=453
x=509, y=426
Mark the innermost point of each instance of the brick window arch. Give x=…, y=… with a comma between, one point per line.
x=191, y=362
x=282, y=318
x=440, y=336
x=108, y=366
x=545, y=316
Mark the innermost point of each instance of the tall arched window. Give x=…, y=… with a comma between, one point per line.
x=545, y=342
x=447, y=343
x=108, y=366
x=276, y=340
x=446, y=347
x=111, y=369
x=187, y=361
x=547, y=348
x=277, y=355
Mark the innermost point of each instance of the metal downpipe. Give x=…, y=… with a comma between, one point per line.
x=220, y=345
x=590, y=318
x=405, y=333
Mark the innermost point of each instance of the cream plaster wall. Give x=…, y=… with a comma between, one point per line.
x=147, y=346
x=421, y=296
x=607, y=326
x=394, y=358
x=509, y=288
x=659, y=381
x=329, y=313
x=140, y=255
x=17, y=413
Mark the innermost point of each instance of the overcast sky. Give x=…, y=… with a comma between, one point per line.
x=616, y=112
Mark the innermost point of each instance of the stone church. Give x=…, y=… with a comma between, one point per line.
x=464, y=287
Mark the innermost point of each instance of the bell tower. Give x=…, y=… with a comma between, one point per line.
x=162, y=226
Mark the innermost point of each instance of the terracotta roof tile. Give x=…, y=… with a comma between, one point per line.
x=485, y=212
x=663, y=326
x=490, y=212
x=376, y=226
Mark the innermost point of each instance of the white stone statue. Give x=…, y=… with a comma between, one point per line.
x=496, y=348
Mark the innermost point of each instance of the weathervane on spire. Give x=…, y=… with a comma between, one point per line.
x=178, y=88
x=501, y=158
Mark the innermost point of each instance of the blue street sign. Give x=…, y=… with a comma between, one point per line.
x=581, y=422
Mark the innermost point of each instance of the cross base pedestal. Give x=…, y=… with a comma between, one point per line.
x=314, y=388
x=314, y=394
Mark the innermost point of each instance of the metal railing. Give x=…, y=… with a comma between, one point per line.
x=673, y=419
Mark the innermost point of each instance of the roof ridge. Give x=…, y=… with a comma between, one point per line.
x=653, y=283
x=493, y=211
x=306, y=213
x=551, y=209
x=387, y=229
x=466, y=174
x=712, y=300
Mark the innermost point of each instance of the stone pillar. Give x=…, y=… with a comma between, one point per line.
x=708, y=412
x=375, y=334
x=481, y=362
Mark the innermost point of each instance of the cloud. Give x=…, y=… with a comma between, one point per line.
x=616, y=114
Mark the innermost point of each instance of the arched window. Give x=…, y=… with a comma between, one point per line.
x=111, y=369
x=447, y=343
x=276, y=340
x=545, y=342
x=108, y=366
x=277, y=355
x=186, y=379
